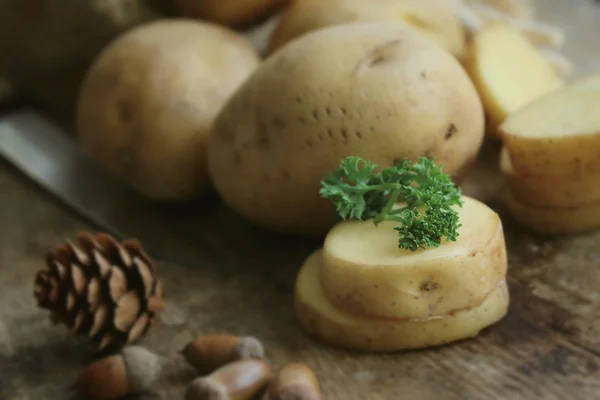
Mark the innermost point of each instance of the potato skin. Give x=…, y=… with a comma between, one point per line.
x=434, y=17
x=550, y=190
x=147, y=103
x=379, y=91
x=572, y=220
x=232, y=13
x=339, y=328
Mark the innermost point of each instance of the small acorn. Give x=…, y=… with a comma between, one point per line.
x=132, y=371
x=209, y=352
x=239, y=380
x=295, y=382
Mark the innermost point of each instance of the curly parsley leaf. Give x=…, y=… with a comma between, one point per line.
x=426, y=215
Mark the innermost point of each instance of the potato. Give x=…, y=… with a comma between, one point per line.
x=233, y=13
x=391, y=299
x=508, y=71
x=363, y=272
x=45, y=52
x=378, y=91
x=558, y=134
x=554, y=220
x=550, y=191
x=433, y=18
x=147, y=104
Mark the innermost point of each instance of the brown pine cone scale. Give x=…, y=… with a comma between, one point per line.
x=102, y=289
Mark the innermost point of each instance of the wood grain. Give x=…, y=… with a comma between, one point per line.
x=548, y=347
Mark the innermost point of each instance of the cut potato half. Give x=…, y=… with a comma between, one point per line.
x=365, y=273
x=558, y=134
x=342, y=329
x=554, y=220
x=508, y=71
x=551, y=191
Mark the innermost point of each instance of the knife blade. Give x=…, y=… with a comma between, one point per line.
x=52, y=159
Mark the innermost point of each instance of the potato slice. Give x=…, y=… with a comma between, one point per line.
x=339, y=328
x=558, y=134
x=508, y=71
x=554, y=220
x=550, y=191
x=364, y=272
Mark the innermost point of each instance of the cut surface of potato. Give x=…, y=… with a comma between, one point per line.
x=435, y=19
x=339, y=328
x=508, y=71
x=558, y=134
x=551, y=191
x=365, y=273
x=554, y=220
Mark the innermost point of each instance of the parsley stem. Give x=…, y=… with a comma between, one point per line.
x=388, y=207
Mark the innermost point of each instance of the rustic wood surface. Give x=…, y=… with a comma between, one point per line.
x=547, y=347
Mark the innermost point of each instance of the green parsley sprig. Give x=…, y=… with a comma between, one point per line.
x=359, y=192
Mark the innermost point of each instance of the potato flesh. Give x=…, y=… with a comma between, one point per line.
x=364, y=272
x=558, y=134
x=340, y=328
x=508, y=71
x=550, y=191
x=554, y=220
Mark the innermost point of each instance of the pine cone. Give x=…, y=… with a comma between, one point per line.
x=102, y=289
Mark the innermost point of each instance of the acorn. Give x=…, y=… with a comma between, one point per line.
x=132, y=371
x=206, y=353
x=295, y=382
x=239, y=380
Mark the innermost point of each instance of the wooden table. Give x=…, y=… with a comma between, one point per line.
x=548, y=347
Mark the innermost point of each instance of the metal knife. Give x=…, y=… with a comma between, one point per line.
x=51, y=158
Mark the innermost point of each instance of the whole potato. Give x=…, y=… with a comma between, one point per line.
x=147, y=103
x=46, y=47
x=379, y=91
x=233, y=13
x=434, y=18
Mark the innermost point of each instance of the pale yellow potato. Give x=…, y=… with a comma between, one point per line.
x=554, y=220
x=550, y=191
x=337, y=327
x=147, y=103
x=435, y=19
x=232, y=13
x=508, y=71
x=382, y=92
x=365, y=273
x=558, y=134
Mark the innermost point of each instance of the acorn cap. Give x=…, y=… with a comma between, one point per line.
x=143, y=367
x=248, y=347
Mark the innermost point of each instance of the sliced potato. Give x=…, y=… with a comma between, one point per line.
x=365, y=273
x=508, y=71
x=558, y=134
x=554, y=220
x=339, y=328
x=550, y=191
